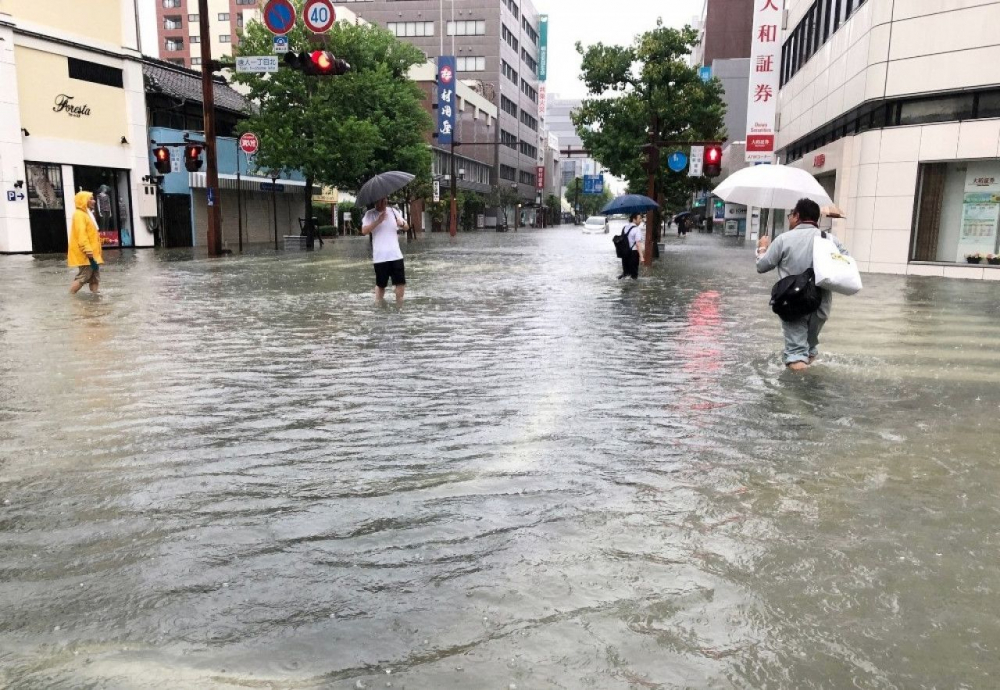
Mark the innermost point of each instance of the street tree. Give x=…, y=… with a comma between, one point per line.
x=339, y=130
x=648, y=87
x=590, y=204
x=502, y=198
x=554, y=209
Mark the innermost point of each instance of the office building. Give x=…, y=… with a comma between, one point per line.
x=179, y=29
x=895, y=107
x=496, y=43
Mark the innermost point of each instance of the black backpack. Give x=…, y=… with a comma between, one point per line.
x=621, y=242
x=796, y=296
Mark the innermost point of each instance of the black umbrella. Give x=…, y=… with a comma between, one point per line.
x=681, y=215
x=382, y=185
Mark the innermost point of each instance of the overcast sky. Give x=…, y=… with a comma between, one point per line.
x=589, y=21
x=608, y=21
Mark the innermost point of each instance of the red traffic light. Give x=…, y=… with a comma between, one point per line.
x=192, y=158
x=713, y=161
x=318, y=63
x=161, y=156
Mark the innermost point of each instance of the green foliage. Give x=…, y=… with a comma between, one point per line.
x=632, y=84
x=590, y=204
x=339, y=130
x=554, y=209
x=327, y=230
x=470, y=205
x=503, y=198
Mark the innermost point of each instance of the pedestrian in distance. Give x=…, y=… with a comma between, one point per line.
x=635, y=235
x=84, y=245
x=383, y=223
x=682, y=226
x=792, y=254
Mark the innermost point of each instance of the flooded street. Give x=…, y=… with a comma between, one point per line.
x=242, y=473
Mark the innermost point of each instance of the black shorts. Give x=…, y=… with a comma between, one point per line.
x=390, y=269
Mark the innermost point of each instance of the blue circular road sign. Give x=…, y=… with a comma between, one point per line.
x=677, y=161
x=279, y=16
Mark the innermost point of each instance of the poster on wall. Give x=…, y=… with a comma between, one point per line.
x=980, y=211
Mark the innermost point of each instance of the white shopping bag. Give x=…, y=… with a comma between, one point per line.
x=834, y=271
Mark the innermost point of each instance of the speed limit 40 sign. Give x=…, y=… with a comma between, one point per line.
x=319, y=15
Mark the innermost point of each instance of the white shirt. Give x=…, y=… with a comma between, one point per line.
x=385, y=241
x=635, y=235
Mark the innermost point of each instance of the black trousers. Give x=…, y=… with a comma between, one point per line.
x=630, y=264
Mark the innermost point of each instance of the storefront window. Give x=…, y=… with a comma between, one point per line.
x=46, y=208
x=958, y=212
x=113, y=210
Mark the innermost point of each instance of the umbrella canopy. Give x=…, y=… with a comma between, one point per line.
x=382, y=185
x=681, y=215
x=771, y=186
x=832, y=212
x=629, y=203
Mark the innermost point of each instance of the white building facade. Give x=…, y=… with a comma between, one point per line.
x=72, y=117
x=895, y=106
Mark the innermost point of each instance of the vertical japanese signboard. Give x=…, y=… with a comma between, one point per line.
x=543, y=63
x=540, y=177
x=765, y=62
x=446, y=99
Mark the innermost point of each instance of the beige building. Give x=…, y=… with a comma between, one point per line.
x=895, y=106
x=72, y=117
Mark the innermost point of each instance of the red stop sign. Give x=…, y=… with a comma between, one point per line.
x=249, y=143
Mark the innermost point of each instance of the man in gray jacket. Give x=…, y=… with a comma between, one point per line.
x=792, y=253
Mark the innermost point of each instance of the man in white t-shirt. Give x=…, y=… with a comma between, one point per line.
x=383, y=223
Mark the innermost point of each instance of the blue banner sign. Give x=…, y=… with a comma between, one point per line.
x=705, y=73
x=447, y=71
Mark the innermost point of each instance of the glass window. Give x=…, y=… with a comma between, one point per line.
x=956, y=213
x=193, y=19
x=195, y=62
x=225, y=38
x=194, y=39
x=936, y=110
x=112, y=203
x=223, y=16
x=989, y=104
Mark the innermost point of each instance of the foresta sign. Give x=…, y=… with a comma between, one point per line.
x=64, y=105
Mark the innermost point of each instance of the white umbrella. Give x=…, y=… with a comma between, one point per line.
x=771, y=186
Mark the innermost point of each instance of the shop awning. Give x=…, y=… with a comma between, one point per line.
x=250, y=183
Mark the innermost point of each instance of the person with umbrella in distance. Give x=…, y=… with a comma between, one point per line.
x=635, y=235
x=383, y=223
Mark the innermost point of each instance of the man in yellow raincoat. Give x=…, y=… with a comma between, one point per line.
x=84, y=245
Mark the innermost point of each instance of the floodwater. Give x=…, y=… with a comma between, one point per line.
x=242, y=473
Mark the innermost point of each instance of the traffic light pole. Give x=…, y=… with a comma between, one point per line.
x=211, y=160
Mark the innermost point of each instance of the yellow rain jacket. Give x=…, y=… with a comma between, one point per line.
x=83, y=237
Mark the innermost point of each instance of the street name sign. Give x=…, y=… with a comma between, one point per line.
x=257, y=64
x=319, y=15
x=279, y=16
x=249, y=143
x=593, y=184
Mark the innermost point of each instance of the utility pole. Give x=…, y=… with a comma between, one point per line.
x=453, y=224
x=653, y=168
x=211, y=159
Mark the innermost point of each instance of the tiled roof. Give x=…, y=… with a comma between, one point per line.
x=180, y=82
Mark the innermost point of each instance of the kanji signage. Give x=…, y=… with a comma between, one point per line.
x=540, y=177
x=446, y=99
x=765, y=62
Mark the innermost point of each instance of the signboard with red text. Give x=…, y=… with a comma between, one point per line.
x=765, y=66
